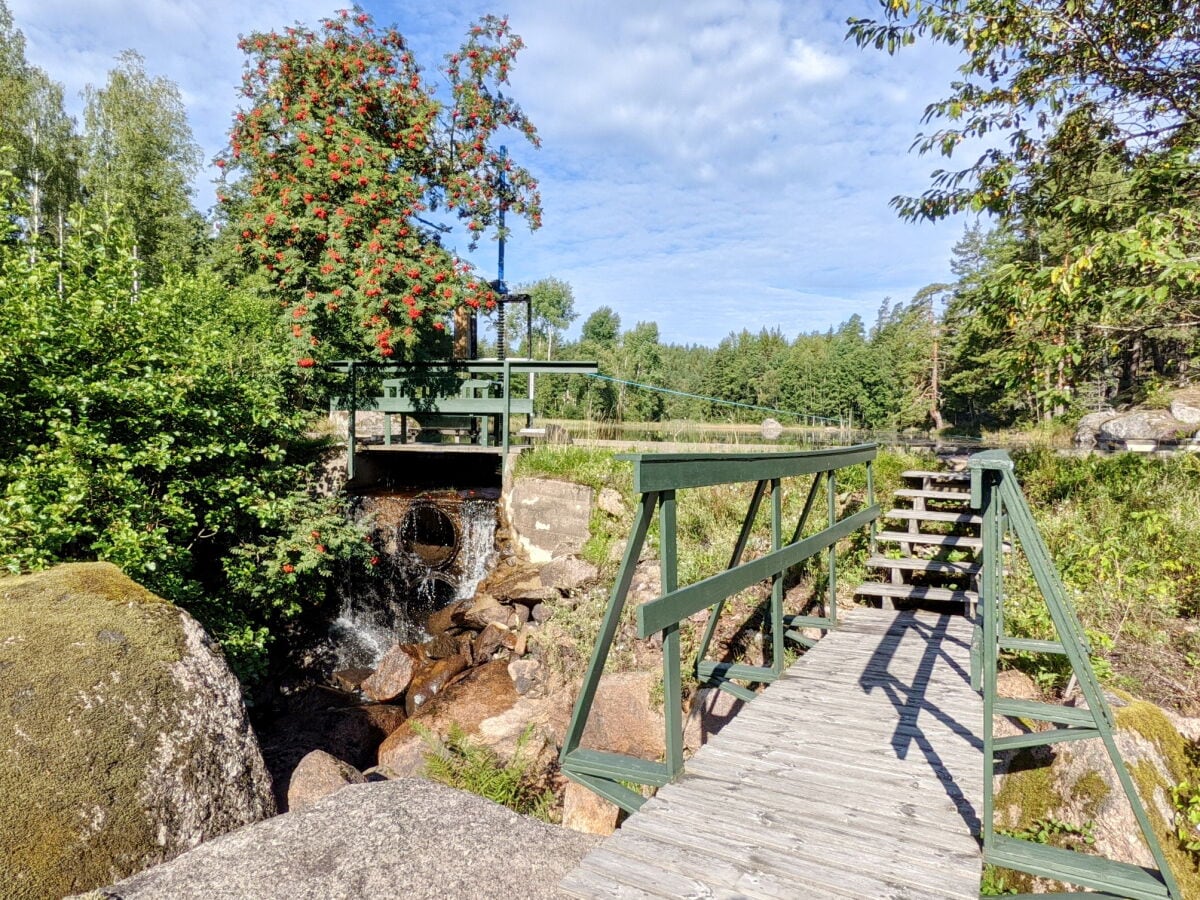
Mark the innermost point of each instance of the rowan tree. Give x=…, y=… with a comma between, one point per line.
x=342, y=153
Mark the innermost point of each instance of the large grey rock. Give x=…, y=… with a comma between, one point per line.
x=549, y=518
x=1075, y=783
x=1146, y=425
x=406, y=838
x=1089, y=426
x=123, y=736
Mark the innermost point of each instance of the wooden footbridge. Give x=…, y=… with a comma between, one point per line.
x=870, y=746
x=865, y=768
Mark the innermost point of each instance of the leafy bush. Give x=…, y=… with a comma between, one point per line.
x=157, y=429
x=1122, y=532
x=1186, y=798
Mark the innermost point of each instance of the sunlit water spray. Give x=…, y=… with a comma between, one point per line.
x=433, y=547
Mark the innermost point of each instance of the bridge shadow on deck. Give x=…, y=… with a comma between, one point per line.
x=911, y=696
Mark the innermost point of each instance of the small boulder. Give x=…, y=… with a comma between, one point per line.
x=490, y=640
x=442, y=646
x=521, y=584
x=1187, y=408
x=518, y=616
x=351, y=679
x=429, y=680
x=448, y=619
x=646, y=584
x=527, y=676
x=569, y=573
x=483, y=611
x=588, y=813
x=466, y=647
x=712, y=709
x=484, y=692
x=317, y=776
x=609, y=501
x=1089, y=427
x=393, y=675
x=324, y=719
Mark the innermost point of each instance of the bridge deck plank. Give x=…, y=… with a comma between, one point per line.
x=859, y=773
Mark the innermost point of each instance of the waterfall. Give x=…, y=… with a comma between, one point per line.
x=433, y=547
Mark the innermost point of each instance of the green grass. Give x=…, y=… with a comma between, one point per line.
x=1123, y=533
x=462, y=763
x=708, y=523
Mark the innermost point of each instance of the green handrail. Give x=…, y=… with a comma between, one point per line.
x=440, y=382
x=656, y=478
x=995, y=491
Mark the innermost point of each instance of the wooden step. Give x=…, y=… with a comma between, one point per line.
x=937, y=540
x=915, y=592
x=929, y=515
x=960, y=477
x=936, y=566
x=914, y=494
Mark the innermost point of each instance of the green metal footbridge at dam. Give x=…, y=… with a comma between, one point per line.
x=865, y=768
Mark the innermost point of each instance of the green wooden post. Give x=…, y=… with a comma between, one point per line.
x=777, y=629
x=672, y=677
x=808, y=505
x=871, y=542
x=657, y=478
x=831, y=492
x=507, y=406
x=351, y=443
x=994, y=490
x=992, y=567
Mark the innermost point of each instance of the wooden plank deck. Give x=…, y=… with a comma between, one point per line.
x=858, y=774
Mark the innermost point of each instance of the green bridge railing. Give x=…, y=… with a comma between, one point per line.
x=476, y=392
x=656, y=479
x=995, y=491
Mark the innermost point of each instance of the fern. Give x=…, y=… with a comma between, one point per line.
x=462, y=763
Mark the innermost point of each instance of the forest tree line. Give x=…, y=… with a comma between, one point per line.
x=161, y=371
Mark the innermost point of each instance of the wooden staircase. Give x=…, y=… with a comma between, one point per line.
x=930, y=547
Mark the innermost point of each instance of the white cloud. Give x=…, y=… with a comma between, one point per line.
x=711, y=165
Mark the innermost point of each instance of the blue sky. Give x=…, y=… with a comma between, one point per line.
x=709, y=165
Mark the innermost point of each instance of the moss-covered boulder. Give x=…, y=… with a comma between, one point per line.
x=1070, y=796
x=123, y=737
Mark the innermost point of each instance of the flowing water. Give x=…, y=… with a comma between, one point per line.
x=433, y=547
